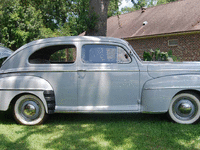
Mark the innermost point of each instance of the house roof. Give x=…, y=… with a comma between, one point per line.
x=179, y=16
x=176, y=16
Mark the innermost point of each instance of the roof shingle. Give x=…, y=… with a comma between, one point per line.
x=177, y=16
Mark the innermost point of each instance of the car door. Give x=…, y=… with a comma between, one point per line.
x=108, y=79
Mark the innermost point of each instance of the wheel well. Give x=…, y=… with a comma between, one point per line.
x=16, y=98
x=189, y=91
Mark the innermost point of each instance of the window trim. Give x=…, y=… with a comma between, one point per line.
x=174, y=42
x=69, y=45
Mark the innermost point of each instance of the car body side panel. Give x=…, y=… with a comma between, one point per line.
x=64, y=83
x=108, y=85
x=158, y=69
x=15, y=85
x=158, y=93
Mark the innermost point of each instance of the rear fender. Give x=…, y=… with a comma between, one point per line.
x=12, y=86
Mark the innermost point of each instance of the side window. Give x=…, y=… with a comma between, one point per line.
x=54, y=55
x=104, y=54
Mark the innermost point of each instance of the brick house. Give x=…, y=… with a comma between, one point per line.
x=174, y=26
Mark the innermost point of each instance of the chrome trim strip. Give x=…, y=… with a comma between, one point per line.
x=96, y=108
x=21, y=89
x=110, y=70
x=176, y=70
x=96, y=70
x=174, y=87
x=28, y=71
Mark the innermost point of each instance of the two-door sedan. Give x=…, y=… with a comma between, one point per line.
x=98, y=75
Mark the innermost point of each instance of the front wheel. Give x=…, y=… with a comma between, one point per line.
x=29, y=110
x=185, y=108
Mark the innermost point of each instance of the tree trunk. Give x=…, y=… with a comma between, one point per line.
x=98, y=17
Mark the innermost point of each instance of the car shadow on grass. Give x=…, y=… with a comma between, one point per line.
x=6, y=117
x=110, y=117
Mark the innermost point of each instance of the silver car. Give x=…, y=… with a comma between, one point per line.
x=95, y=74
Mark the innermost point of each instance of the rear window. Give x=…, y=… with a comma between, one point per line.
x=54, y=55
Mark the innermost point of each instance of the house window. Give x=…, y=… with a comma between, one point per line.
x=173, y=42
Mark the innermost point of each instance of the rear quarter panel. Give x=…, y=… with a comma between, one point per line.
x=12, y=86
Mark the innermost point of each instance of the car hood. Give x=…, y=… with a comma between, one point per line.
x=158, y=69
x=5, y=52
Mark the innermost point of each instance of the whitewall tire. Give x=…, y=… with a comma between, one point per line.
x=185, y=108
x=29, y=110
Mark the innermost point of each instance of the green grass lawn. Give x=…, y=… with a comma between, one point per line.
x=99, y=132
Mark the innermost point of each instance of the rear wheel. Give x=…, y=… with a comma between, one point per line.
x=185, y=108
x=29, y=110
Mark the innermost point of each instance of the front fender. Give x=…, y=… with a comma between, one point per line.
x=12, y=86
x=158, y=93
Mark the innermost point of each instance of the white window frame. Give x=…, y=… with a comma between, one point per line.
x=173, y=42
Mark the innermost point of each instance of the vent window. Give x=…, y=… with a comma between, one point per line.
x=173, y=42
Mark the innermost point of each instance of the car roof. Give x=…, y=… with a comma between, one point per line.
x=70, y=39
x=74, y=39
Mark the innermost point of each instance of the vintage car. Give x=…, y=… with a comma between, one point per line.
x=98, y=75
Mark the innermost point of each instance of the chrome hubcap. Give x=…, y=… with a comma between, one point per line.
x=30, y=110
x=184, y=109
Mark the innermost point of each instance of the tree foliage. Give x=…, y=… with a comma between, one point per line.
x=23, y=21
x=19, y=24
x=127, y=10
x=159, y=2
x=138, y=4
x=113, y=8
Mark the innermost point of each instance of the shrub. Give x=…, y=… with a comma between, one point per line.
x=155, y=55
